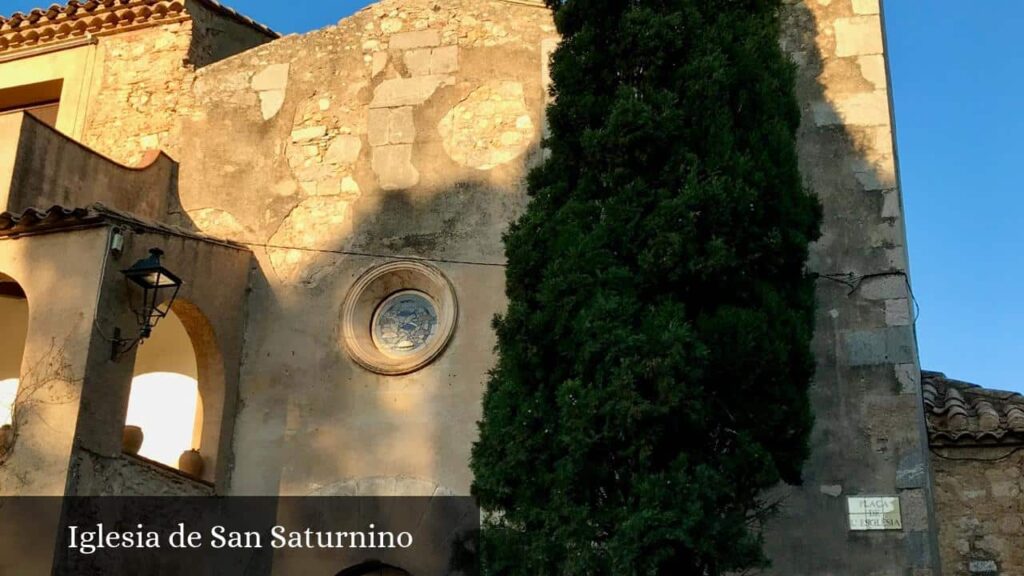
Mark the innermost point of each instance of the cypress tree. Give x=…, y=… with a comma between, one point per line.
x=654, y=359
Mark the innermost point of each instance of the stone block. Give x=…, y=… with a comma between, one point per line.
x=344, y=150
x=417, y=39
x=891, y=204
x=872, y=68
x=858, y=36
x=863, y=109
x=311, y=133
x=391, y=126
x=914, y=509
x=391, y=25
x=865, y=7
x=270, y=103
x=911, y=471
x=444, y=60
x=873, y=175
x=273, y=77
x=884, y=287
x=418, y=61
x=408, y=91
x=890, y=345
x=401, y=126
x=377, y=126
x=393, y=166
x=909, y=377
x=897, y=312
x=349, y=187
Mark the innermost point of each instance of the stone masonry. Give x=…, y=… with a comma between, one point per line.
x=979, y=496
x=405, y=131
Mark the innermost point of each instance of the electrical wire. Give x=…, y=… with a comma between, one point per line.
x=854, y=282
x=375, y=255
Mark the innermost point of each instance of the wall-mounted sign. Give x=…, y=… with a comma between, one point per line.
x=874, y=513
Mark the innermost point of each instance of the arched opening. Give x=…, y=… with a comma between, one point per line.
x=372, y=568
x=164, y=400
x=13, y=332
x=178, y=393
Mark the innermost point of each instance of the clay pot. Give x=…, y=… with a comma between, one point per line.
x=191, y=462
x=6, y=438
x=131, y=440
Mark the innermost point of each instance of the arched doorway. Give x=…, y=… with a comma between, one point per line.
x=372, y=568
x=13, y=332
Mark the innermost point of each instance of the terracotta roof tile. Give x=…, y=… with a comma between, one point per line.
x=960, y=412
x=60, y=219
x=79, y=18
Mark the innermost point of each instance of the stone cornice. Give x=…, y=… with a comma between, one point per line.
x=79, y=19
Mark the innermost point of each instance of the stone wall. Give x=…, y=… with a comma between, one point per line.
x=143, y=81
x=141, y=87
x=869, y=436
x=46, y=168
x=124, y=475
x=405, y=131
x=979, y=498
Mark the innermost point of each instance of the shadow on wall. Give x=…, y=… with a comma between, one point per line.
x=866, y=393
x=309, y=415
x=313, y=420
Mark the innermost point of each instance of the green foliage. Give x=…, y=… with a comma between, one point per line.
x=654, y=359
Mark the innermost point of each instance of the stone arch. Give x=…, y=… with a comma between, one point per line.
x=14, y=320
x=208, y=372
x=212, y=384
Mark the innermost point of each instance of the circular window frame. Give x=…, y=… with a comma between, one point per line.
x=372, y=290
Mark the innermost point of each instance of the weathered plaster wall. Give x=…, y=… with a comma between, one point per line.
x=47, y=169
x=869, y=435
x=60, y=274
x=124, y=475
x=979, y=497
x=406, y=130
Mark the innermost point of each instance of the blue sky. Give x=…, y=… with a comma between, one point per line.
x=958, y=76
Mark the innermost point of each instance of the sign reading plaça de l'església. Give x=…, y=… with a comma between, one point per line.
x=874, y=513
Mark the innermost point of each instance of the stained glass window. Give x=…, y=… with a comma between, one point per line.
x=404, y=323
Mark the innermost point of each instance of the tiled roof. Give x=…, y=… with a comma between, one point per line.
x=962, y=413
x=33, y=221
x=79, y=18
x=60, y=219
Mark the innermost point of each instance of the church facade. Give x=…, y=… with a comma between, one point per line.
x=332, y=204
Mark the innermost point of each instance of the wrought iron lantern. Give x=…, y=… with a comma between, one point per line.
x=159, y=285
